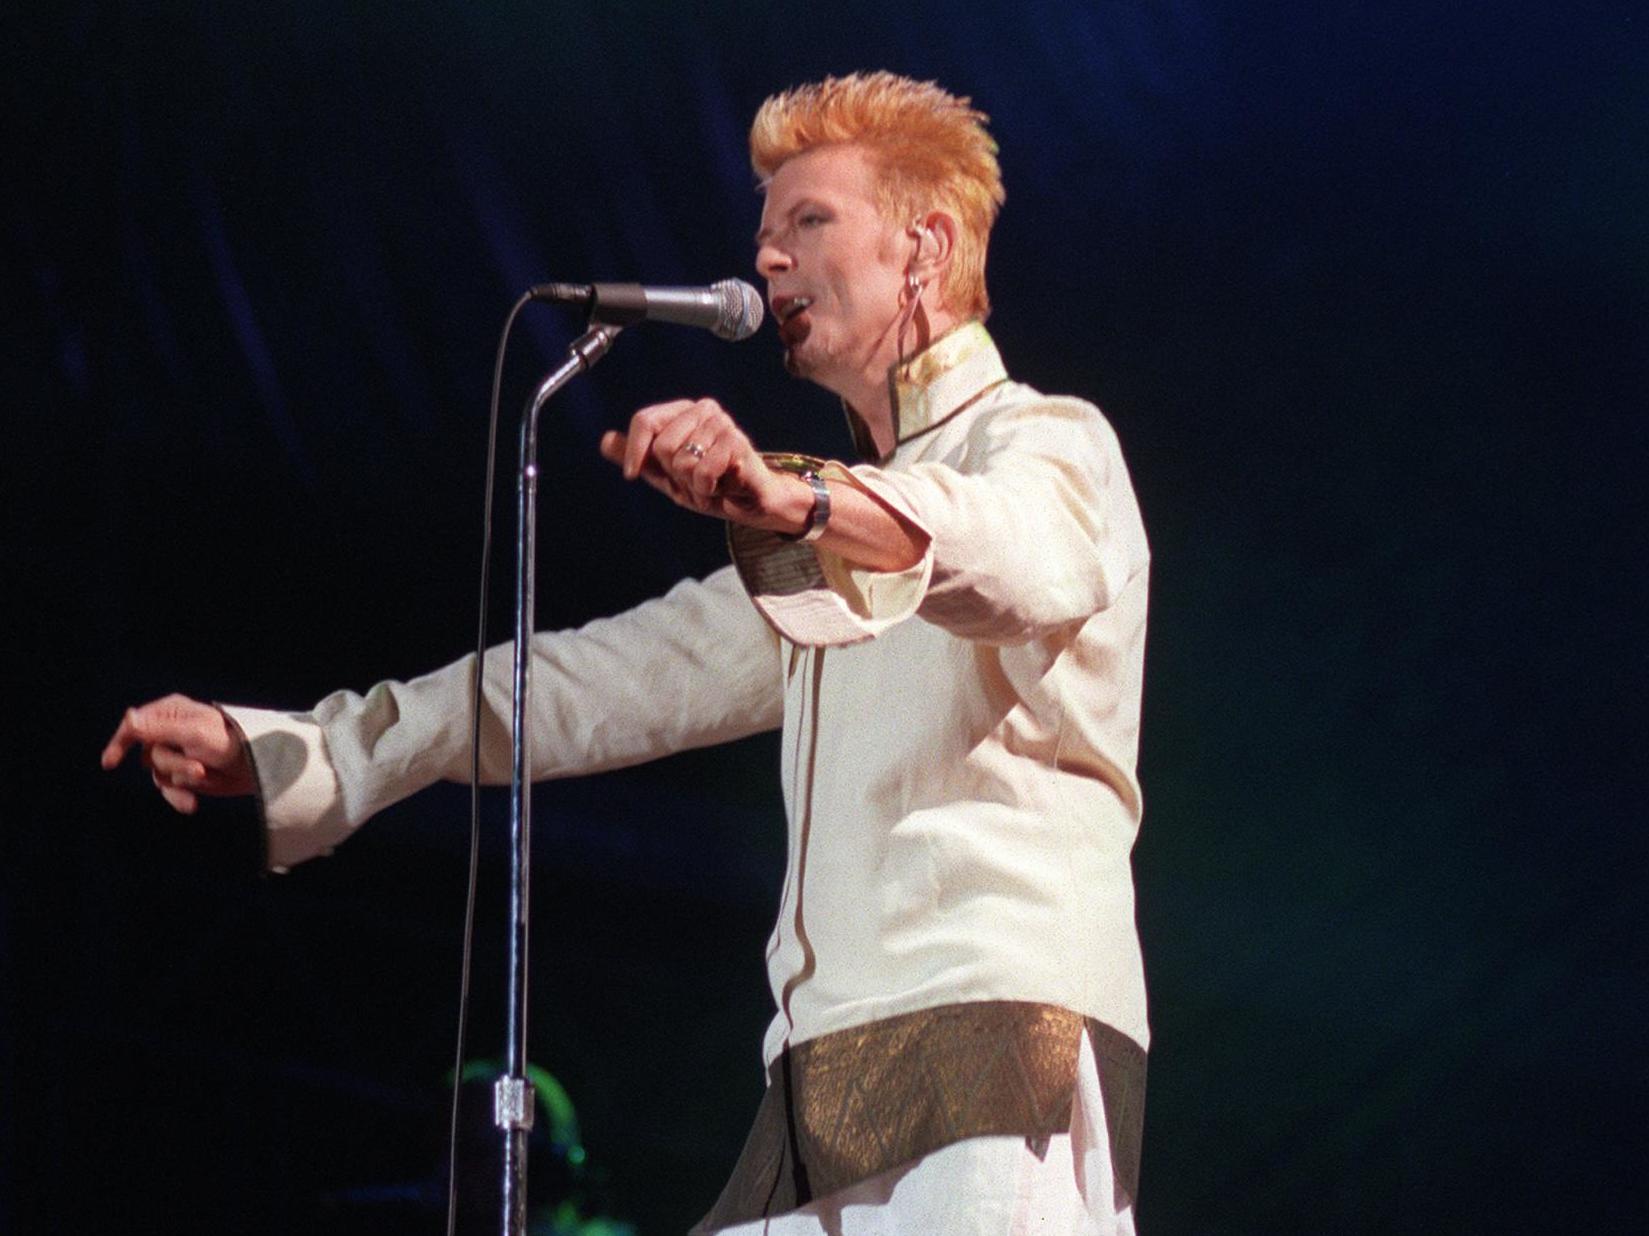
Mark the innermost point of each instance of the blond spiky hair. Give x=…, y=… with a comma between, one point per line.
x=930, y=146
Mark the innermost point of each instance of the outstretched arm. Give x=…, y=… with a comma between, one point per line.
x=695, y=667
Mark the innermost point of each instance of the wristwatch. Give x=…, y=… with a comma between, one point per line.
x=819, y=516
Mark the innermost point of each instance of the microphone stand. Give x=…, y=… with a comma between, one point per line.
x=512, y=1096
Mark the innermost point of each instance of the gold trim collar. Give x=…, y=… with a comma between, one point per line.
x=934, y=385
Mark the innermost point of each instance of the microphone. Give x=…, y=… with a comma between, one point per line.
x=732, y=309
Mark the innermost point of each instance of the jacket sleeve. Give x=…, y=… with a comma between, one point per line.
x=694, y=667
x=1032, y=525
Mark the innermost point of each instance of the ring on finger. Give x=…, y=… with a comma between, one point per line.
x=694, y=449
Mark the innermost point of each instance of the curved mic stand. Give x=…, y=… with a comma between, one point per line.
x=512, y=1097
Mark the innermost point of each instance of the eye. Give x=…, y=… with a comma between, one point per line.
x=811, y=219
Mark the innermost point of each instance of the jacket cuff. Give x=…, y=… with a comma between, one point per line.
x=815, y=598
x=298, y=791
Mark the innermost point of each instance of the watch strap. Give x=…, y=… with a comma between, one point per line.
x=819, y=516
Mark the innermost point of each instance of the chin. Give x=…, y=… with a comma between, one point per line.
x=814, y=358
x=802, y=361
x=797, y=364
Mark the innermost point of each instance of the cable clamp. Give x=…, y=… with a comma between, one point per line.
x=512, y=1103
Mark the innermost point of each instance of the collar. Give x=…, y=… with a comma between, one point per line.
x=934, y=385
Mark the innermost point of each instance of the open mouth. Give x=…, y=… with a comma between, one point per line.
x=788, y=307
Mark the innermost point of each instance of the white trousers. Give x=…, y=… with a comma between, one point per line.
x=984, y=1186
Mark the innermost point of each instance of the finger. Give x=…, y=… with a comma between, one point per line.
x=615, y=448
x=175, y=766
x=689, y=452
x=697, y=424
x=747, y=488
x=711, y=470
x=748, y=471
x=120, y=742
x=744, y=465
x=172, y=719
x=636, y=443
x=180, y=800
x=655, y=475
x=645, y=425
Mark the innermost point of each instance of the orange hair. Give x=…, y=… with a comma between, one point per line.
x=930, y=146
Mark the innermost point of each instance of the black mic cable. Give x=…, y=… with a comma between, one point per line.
x=476, y=680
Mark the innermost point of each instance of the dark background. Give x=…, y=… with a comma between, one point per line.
x=1362, y=288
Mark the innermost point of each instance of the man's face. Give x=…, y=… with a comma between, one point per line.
x=834, y=267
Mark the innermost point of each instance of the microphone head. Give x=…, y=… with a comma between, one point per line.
x=740, y=309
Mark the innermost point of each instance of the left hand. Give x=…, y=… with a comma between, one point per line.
x=189, y=748
x=692, y=451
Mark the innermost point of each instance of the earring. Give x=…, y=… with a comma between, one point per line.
x=914, y=288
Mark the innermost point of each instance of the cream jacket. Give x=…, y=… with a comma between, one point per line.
x=959, y=739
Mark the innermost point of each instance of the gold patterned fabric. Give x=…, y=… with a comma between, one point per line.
x=848, y=1106
x=933, y=386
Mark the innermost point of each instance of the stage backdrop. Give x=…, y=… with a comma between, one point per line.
x=1362, y=289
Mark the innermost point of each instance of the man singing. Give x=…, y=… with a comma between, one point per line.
x=951, y=635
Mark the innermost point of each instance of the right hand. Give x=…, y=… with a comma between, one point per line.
x=694, y=453
x=189, y=748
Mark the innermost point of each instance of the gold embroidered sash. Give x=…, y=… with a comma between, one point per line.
x=847, y=1106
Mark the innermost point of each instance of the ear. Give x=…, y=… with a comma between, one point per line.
x=934, y=242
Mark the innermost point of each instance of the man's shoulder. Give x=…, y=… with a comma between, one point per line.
x=1015, y=407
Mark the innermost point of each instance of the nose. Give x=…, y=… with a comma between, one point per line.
x=772, y=260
